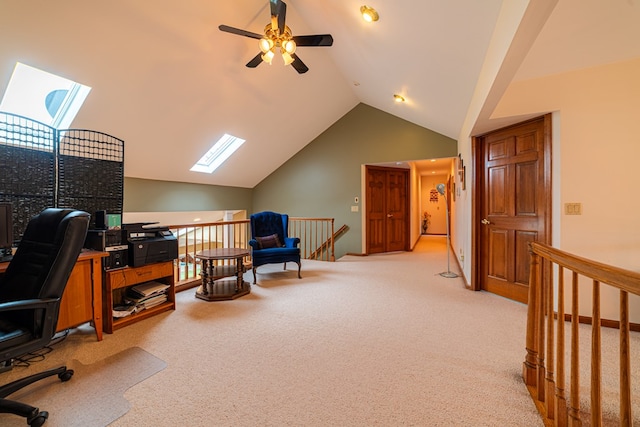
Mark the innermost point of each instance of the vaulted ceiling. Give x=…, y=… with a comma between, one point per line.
x=169, y=83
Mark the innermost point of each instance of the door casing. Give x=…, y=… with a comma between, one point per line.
x=383, y=229
x=478, y=195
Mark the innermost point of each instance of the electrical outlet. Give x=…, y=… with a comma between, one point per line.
x=354, y=208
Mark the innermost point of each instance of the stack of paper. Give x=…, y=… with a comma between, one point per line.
x=146, y=295
x=148, y=289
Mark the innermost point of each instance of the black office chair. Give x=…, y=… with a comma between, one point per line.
x=30, y=293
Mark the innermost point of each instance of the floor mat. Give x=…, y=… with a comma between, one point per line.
x=94, y=397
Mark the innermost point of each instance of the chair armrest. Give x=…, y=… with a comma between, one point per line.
x=254, y=244
x=28, y=304
x=291, y=242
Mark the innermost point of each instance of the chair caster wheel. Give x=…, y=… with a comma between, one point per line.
x=66, y=375
x=39, y=419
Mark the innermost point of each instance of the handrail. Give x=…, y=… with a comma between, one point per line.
x=313, y=234
x=328, y=243
x=192, y=238
x=545, y=337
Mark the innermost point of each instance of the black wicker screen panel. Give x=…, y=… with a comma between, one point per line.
x=45, y=167
x=90, y=171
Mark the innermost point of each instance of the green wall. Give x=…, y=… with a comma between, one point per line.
x=323, y=178
x=145, y=195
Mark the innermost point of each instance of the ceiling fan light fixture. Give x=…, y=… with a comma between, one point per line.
x=398, y=98
x=268, y=57
x=369, y=14
x=289, y=46
x=265, y=44
x=288, y=59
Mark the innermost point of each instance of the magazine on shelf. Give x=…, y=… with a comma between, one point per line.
x=146, y=302
x=124, y=310
x=147, y=289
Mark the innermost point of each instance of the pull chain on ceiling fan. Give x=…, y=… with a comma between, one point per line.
x=277, y=35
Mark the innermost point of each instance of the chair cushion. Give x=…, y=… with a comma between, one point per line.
x=271, y=241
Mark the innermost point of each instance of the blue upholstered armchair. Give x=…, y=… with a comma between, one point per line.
x=270, y=243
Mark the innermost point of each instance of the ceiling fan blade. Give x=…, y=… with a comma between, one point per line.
x=278, y=14
x=298, y=64
x=257, y=60
x=314, y=40
x=239, y=32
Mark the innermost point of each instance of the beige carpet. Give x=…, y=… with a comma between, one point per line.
x=365, y=341
x=93, y=397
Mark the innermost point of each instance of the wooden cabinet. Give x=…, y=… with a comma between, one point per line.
x=117, y=282
x=82, y=298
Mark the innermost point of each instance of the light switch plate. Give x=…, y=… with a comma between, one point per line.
x=573, y=208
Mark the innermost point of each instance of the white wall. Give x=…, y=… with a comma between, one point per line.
x=438, y=209
x=598, y=143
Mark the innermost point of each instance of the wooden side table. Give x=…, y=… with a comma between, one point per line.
x=222, y=282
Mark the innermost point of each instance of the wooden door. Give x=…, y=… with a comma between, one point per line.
x=514, y=204
x=387, y=209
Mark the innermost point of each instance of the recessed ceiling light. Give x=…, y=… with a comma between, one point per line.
x=398, y=98
x=369, y=14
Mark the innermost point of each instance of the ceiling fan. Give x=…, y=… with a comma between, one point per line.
x=278, y=35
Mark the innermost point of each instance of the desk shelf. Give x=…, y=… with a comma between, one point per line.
x=118, y=281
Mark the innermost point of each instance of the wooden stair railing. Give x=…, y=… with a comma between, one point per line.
x=544, y=366
x=316, y=239
x=328, y=243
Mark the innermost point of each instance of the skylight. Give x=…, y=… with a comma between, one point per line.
x=218, y=153
x=42, y=96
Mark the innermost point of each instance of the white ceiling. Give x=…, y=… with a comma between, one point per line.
x=169, y=83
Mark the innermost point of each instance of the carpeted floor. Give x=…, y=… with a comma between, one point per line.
x=94, y=397
x=366, y=341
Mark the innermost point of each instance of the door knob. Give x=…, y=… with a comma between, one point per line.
x=485, y=221
x=389, y=215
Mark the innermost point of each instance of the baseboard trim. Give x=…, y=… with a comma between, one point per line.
x=607, y=323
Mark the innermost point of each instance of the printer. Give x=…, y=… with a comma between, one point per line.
x=150, y=243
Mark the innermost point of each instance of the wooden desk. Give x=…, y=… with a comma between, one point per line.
x=82, y=298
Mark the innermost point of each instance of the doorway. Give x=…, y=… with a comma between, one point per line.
x=387, y=209
x=512, y=204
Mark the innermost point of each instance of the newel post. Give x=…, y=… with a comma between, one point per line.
x=529, y=368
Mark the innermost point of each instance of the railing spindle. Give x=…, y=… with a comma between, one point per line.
x=529, y=369
x=560, y=400
x=625, y=362
x=596, y=358
x=574, y=410
x=550, y=381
